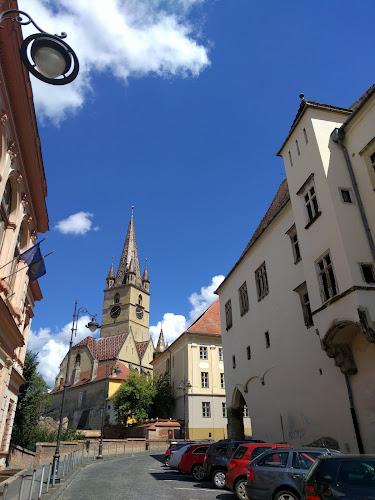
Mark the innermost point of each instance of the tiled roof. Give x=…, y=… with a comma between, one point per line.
x=279, y=201
x=359, y=101
x=208, y=322
x=106, y=347
x=141, y=348
x=111, y=273
x=84, y=377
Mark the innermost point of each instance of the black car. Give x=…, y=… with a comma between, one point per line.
x=347, y=477
x=217, y=460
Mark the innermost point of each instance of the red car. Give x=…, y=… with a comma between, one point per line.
x=235, y=478
x=192, y=460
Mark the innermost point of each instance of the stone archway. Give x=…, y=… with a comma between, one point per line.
x=235, y=416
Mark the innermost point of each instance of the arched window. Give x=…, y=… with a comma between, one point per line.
x=117, y=298
x=77, y=361
x=5, y=209
x=139, y=299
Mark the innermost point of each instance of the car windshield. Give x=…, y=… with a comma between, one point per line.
x=240, y=452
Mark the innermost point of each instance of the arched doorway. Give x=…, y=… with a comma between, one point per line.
x=235, y=416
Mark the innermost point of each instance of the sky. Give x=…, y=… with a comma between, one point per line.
x=179, y=109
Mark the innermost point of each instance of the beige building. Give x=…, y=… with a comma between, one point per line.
x=298, y=307
x=194, y=362
x=124, y=342
x=23, y=213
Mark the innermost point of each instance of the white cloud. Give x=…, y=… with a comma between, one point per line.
x=78, y=223
x=174, y=324
x=126, y=38
x=52, y=347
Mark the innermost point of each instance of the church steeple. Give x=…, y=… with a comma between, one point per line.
x=111, y=276
x=129, y=261
x=145, y=279
x=161, y=343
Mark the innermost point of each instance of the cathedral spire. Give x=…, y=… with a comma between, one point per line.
x=111, y=276
x=129, y=259
x=161, y=343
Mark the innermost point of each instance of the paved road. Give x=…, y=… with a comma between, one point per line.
x=138, y=478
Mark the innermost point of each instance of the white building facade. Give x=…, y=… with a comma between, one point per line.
x=298, y=308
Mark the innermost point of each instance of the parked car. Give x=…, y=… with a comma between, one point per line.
x=192, y=460
x=235, y=478
x=176, y=455
x=348, y=477
x=174, y=445
x=217, y=460
x=278, y=474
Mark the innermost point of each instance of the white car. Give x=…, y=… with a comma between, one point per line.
x=176, y=455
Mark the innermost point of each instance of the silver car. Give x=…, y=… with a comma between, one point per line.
x=279, y=473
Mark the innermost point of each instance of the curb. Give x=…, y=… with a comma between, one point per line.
x=63, y=487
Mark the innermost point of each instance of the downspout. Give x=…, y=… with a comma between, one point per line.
x=354, y=416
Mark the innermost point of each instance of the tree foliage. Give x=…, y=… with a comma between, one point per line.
x=32, y=398
x=141, y=397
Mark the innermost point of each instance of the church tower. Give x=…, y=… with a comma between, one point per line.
x=127, y=296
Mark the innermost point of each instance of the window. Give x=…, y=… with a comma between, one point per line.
x=80, y=397
x=243, y=298
x=240, y=452
x=290, y=159
x=5, y=209
x=258, y=451
x=245, y=411
x=221, y=354
x=292, y=233
x=368, y=273
x=305, y=136
x=224, y=409
x=328, y=286
x=311, y=203
x=101, y=412
x=346, y=195
x=91, y=414
x=228, y=314
x=77, y=361
x=267, y=336
x=261, y=281
x=305, y=304
x=14, y=265
x=234, y=361
x=139, y=299
x=357, y=474
x=206, y=410
x=117, y=298
x=248, y=351
x=274, y=460
x=303, y=460
x=297, y=146
x=201, y=449
x=204, y=379
x=222, y=381
x=203, y=354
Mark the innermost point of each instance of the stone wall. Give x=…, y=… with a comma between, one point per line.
x=20, y=458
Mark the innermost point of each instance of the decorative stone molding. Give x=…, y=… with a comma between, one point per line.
x=3, y=117
x=343, y=356
x=24, y=200
x=34, y=235
x=4, y=287
x=12, y=150
x=366, y=325
x=19, y=178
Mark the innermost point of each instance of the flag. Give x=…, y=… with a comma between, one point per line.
x=34, y=259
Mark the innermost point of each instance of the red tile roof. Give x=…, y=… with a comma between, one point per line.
x=208, y=322
x=106, y=347
x=84, y=377
x=278, y=203
x=141, y=348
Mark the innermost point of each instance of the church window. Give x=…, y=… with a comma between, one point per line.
x=117, y=298
x=261, y=281
x=139, y=299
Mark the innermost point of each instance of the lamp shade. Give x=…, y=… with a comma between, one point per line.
x=51, y=57
x=92, y=325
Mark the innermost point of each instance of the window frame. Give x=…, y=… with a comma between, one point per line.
x=206, y=408
x=351, y=195
x=372, y=270
x=261, y=281
x=203, y=352
x=204, y=380
x=328, y=270
x=222, y=380
x=221, y=355
x=293, y=236
x=228, y=314
x=368, y=154
x=305, y=305
x=243, y=298
x=224, y=410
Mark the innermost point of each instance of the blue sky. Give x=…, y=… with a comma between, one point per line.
x=179, y=110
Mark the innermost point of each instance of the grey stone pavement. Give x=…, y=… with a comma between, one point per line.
x=141, y=477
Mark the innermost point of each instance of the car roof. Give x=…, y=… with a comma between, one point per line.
x=346, y=456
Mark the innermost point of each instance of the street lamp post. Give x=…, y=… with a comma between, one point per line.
x=92, y=326
x=108, y=370
x=185, y=385
x=45, y=56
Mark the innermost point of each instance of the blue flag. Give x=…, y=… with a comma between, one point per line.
x=34, y=259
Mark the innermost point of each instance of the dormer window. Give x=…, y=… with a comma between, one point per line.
x=78, y=360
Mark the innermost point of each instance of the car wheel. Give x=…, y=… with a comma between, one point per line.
x=167, y=460
x=218, y=478
x=197, y=472
x=240, y=489
x=286, y=495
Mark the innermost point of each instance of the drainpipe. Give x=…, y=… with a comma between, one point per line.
x=354, y=416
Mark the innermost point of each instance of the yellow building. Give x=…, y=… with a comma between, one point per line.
x=195, y=364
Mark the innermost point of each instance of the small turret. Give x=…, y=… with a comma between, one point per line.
x=160, y=347
x=111, y=276
x=130, y=273
x=145, y=279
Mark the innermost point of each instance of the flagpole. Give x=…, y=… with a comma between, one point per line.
x=15, y=272
x=20, y=255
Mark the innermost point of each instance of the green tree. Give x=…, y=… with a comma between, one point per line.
x=141, y=397
x=32, y=398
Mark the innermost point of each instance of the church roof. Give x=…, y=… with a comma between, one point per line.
x=111, y=274
x=208, y=322
x=145, y=275
x=105, y=347
x=129, y=258
x=141, y=348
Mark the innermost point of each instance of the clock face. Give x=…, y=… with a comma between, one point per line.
x=139, y=312
x=115, y=311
